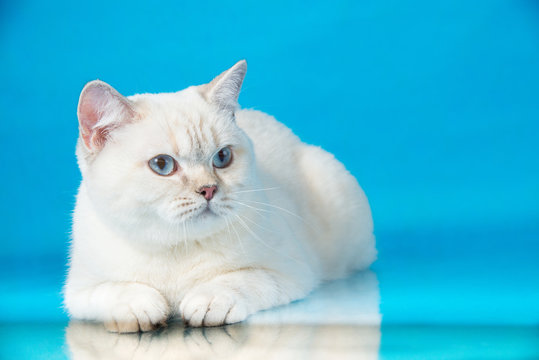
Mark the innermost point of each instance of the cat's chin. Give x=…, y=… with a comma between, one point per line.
x=206, y=219
x=205, y=224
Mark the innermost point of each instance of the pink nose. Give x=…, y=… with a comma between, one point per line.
x=207, y=191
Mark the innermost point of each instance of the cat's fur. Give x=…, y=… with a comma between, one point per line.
x=285, y=216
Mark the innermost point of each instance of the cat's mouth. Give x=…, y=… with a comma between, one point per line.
x=206, y=213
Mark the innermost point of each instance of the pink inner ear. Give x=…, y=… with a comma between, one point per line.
x=98, y=99
x=88, y=117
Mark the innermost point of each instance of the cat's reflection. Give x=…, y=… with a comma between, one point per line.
x=340, y=320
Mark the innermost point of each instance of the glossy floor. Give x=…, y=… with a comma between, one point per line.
x=341, y=320
x=244, y=341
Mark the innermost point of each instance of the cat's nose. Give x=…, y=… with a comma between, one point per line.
x=207, y=191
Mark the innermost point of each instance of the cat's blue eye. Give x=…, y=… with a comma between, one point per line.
x=222, y=158
x=162, y=164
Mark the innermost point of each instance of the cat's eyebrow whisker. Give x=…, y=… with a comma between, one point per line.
x=254, y=190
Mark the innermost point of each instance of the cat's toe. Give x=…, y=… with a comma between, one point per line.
x=194, y=308
x=132, y=323
x=237, y=313
x=204, y=308
x=219, y=309
x=142, y=309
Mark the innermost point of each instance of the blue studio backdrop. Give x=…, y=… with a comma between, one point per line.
x=433, y=106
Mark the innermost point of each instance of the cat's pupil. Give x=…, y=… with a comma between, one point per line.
x=161, y=163
x=222, y=155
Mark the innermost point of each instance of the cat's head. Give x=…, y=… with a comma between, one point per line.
x=165, y=168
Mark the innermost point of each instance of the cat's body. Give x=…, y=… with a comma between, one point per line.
x=273, y=222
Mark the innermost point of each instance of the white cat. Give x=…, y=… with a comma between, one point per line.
x=190, y=207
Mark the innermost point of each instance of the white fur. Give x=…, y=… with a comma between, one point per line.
x=286, y=215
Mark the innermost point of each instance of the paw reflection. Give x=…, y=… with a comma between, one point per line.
x=340, y=320
x=237, y=341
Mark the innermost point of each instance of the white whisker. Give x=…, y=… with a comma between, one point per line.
x=252, y=207
x=242, y=223
x=184, y=235
x=254, y=190
x=257, y=224
x=246, y=227
x=279, y=208
x=186, y=222
x=237, y=237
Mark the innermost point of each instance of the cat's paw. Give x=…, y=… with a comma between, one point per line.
x=137, y=308
x=213, y=305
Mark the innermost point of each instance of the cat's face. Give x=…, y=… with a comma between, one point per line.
x=166, y=167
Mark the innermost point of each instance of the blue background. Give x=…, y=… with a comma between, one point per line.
x=432, y=105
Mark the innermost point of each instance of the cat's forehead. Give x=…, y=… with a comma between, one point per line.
x=169, y=106
x=184, y=123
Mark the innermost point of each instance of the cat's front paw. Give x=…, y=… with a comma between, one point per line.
x=137, y=308
x=213, y=305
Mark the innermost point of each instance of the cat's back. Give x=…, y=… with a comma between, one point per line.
x=313, y=183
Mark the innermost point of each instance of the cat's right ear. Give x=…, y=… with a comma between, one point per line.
x=101, y=109
x=223, y=91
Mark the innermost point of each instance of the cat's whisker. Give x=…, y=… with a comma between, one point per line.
x=184, y=234
x=237, y=236
x=180, y=244
x=254, y=190
x=257, y=224
x=278, y=208
x=229, y=235
x=252, y=207
x=188, y=223
x=246, y=227
x=172, y=228
x=242, y=223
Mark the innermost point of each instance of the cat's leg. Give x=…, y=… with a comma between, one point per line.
x=122, y=306
x=232, y=297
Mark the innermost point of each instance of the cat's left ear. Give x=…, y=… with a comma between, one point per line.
x=224, y=90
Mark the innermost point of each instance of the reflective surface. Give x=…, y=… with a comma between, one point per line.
x=239, y=341
x=340, y=320
x=89, y=341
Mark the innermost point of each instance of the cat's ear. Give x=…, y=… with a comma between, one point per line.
x=224, y=90
x=101, y=109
